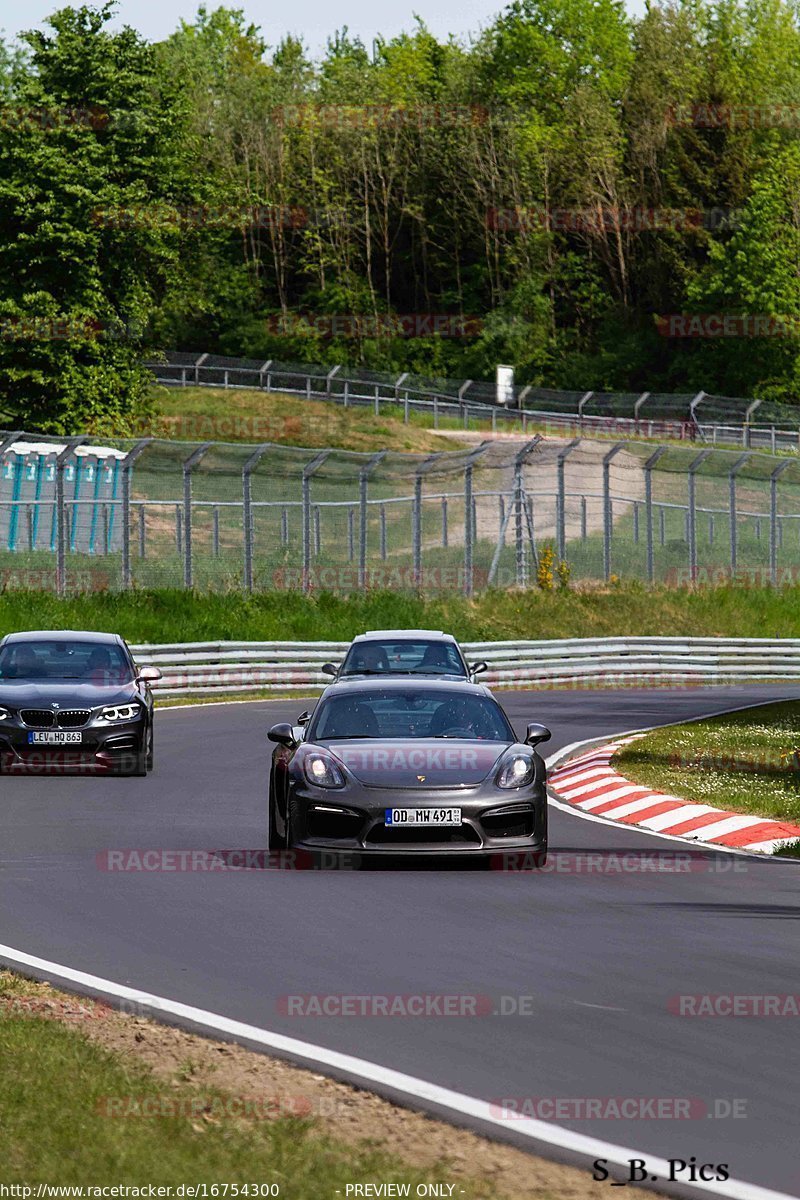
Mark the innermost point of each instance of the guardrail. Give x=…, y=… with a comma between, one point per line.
x=241, y=667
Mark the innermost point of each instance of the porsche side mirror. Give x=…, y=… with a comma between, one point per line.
x=537, y=733
x=478, y=668
x=283, y=734
x=329, y=669
x=148, y=675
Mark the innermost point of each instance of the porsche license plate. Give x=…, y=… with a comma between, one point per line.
x=54, y=738
x=423, y=816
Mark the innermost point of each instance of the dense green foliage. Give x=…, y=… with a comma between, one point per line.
x=558, y=183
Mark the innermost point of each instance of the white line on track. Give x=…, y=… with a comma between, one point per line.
x=385, y=1078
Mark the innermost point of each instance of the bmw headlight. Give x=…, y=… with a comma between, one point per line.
x=516, y=771
x=121, y=712
x=322, y=771
x=5, y=714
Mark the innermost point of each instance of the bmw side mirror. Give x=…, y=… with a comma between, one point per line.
x=304, y=718
x=283, y=734
x=148, y=675
x=329, y=669
x=537, y=733
x=478, y=668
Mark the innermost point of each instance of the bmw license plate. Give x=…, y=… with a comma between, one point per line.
x=52, y=738
x=423, y=816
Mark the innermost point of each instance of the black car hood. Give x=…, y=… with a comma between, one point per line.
x=68, y=693
x=417, y=762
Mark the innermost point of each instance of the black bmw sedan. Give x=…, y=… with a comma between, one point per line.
x=392, y=766
x=74, y=701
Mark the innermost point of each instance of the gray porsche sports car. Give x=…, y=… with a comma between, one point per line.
x=74, y=701
x=418, y=767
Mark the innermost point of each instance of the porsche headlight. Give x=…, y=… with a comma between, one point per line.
x=322, y=771
x=121, y=712
x=516, y=771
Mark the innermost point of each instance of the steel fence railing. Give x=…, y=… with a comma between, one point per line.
x=242, y=667
x=156, y=513
x=702, y=417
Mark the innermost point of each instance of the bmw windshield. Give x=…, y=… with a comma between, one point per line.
x=91, y=662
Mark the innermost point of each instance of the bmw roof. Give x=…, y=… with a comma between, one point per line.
x=62, y=635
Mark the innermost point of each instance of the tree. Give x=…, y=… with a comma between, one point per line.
x=90, y=138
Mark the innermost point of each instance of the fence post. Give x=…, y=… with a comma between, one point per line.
x=61, y=525
x=607, y=514
x=188, y=466
x=638, y=404
x=247, y=511
x=520, y=557
x=308, y=470
x=416, y=518
x=262, y=369
x=694, y=467
x=746, y=429
x=585, y=398
x=648, y=504
x=444, y=521
x=734, y=471
x=142, y=531
x=561, y=522
x=469, y=525
x=329, y=379
x=363, y=479
x=127, y=469
x=773, y=520
x=383, y=533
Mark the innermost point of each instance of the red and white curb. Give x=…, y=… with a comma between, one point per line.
x=591, y=784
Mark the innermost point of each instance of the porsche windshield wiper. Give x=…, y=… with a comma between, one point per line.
x=346, y=737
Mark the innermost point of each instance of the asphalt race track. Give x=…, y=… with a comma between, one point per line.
x=599, y=952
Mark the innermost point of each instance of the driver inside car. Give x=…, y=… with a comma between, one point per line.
x=371, y=659
x=458, y=715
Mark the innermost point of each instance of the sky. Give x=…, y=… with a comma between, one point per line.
x=312, y=20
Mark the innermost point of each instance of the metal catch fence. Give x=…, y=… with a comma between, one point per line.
x=155, y=513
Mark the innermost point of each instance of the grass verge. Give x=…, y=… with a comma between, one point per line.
x=198, y=414
x=92, y=1095
x=747, y=762
x=172, y=615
